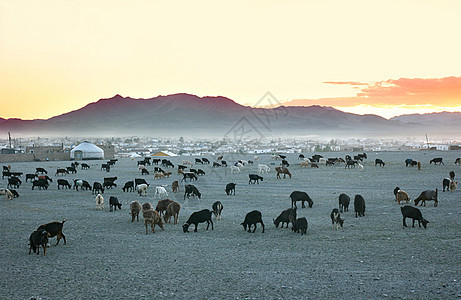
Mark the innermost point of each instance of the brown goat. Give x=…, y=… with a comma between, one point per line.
x=135, y=208
x=162, y=205
x=147, y=206
x=427, y=196
x=402, y=196
x=172, y=211
x=175, y=186
x=282, y=170
x=153, y=218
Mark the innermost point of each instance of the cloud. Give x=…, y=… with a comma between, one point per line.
x=414, y=92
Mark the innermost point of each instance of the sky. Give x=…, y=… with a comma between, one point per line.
x=381, y=57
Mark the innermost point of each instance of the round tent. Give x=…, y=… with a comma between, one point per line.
x=86, y=150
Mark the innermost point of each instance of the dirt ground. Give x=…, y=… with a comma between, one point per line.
x=108, y=256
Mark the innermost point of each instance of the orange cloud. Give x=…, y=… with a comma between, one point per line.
x=439, y=92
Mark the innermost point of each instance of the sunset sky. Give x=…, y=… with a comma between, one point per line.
x=381, y=57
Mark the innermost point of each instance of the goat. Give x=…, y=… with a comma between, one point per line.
x=99, y=202
x=359, y=206
x=282, y=170
x=402, y=196
x=97, y=188
x=300, y=225
x=252, y=218
x=162, y=205
x=128, y=187
x=199, y=217
x=413, y=213
x=191, y=190
x=63, y=183
x=38, y=238
x=344, y=201
x=263, y=169
x=254, y=178
x=7, y=193
x=300, y=196
x=153, y=218
x=175, y=186
x=427, y=195
x=142, y=189
x=172, y=210
x=287, y=216
x=217, y=209
x=160, y=192
x=54, y=229
x=135, y=208
x=230, y=187
x=336, y=220
x=113, y=202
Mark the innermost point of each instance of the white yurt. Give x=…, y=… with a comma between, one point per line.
x=86, y=150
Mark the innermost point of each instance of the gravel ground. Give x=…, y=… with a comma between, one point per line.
x=108, y=256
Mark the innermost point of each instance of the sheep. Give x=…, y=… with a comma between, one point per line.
x=153, y=218
x=162, y=205
x=199, y=217
x=402, y=196
x=175, y=186
x=217, y=209
x=427, y=196
x=142, y=189
x=160, y=192
x=99, y=202
x=172, y=211
x=7, y=193
x=252, y=218
x=135, y=208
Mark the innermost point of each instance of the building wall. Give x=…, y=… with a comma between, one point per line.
x=5, y=158
x=109, y=151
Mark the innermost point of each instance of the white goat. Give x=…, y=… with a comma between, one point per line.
x=160, y=191
x=99, y=202
x=235, y=169
x=142, y=189
x=263, y=169
x=7, y=193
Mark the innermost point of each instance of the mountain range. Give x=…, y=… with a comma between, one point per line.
x=193, y=116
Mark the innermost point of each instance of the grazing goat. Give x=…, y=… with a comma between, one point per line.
x=304, y=164
x=189, y=175
x=359, y=206
x=160, y=192
x=99, y=202
x=15, y=193
x=235, y=169
x=458, y=161
x=147, y=206
x=142, y=189
x=113, y=202
x=41, y=184
x=153, y=218
x=263, y=169
x=402, y=196
x=63, y=183
x=175, y=186
x=41, y=171
x=97, y=188
x=217, y=209
x=135, y=208
x=254, y=178
x=7, y=193
x=14, y=182
x=61, y=172
x=54, y=229
x=287, y=216
x=449, y=184
x=282, y=170
x=199, y=217
x=252, y=218
x=162, y=205
x=300, y=196
x=191, y=190
x=128, y=187
x=379, y=162
x=427, y=195
x=172, y=210
x=395, y=192
x=300, y=225
x=336, y=220
x=413, y=213
x=437, y=160
x=453, y=186
x=230, y=187
x=38, y=238
x=344, y=201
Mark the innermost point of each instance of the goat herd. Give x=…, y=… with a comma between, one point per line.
x=167, y=209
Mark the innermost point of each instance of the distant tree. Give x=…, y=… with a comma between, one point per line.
x=181, y=140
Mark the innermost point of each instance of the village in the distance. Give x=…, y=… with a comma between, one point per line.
x=54, y=149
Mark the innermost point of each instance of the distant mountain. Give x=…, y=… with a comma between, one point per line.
x=193, y=116
x=431, y=118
